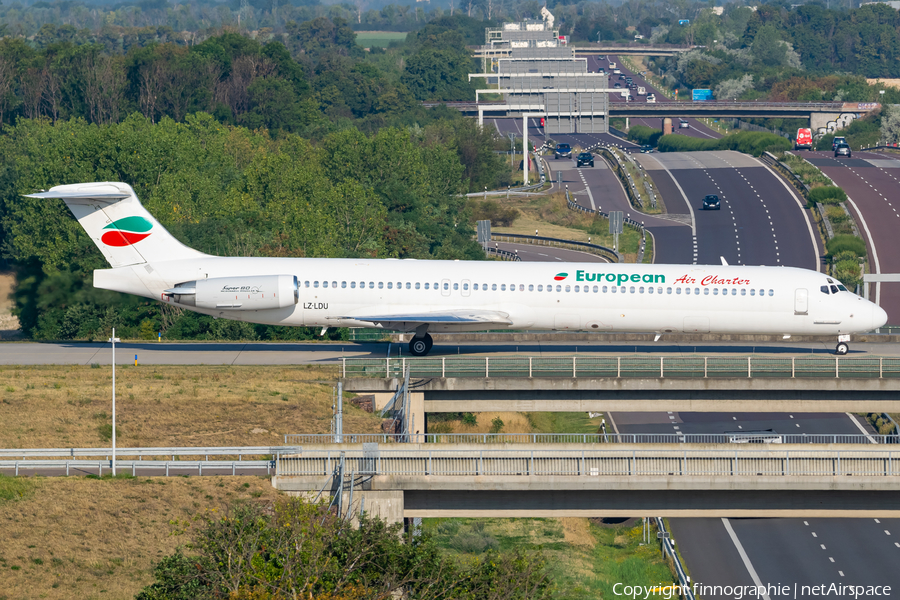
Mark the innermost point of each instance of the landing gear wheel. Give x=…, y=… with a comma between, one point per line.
x=420, y=346
x=842, y=349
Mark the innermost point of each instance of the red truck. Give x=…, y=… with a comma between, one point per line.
x=804, y=139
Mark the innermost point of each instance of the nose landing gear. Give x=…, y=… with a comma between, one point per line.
x=842, y=349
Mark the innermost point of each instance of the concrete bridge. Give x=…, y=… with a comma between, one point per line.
x=509, y=480
x=594, y=50
x=818, y=113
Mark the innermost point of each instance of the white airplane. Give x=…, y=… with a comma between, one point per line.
x=446, y=296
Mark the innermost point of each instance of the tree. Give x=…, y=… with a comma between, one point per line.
x=768, y=48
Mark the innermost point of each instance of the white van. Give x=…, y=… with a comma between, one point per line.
x=612, y=65
x=651, y=99
x=642, y=91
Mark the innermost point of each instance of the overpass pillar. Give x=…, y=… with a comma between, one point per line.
x=818, y=120
x=480, y=116
x=386, y=504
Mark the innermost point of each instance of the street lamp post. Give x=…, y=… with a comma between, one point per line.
x=113, y=340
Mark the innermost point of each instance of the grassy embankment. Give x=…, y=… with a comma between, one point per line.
x=551, y=217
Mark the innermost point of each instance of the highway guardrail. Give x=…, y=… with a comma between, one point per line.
x=742, y=437
x=158, y=467
x=540, y=240
x=700, y=367
x=768, y=462
x=174, y=451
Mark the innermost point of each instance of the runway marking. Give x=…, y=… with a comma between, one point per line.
x=745, y=558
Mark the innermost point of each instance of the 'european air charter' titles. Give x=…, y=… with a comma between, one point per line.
x=619, y=278
x=713, y=280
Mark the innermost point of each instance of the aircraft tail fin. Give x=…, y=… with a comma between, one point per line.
x=124, y=231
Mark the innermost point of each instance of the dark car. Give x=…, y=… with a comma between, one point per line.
x=646, y=149
x=711, y=202
x=617, y=85
x=837, y=141
x=842, y=150
x=563, y=150
x=585, y=158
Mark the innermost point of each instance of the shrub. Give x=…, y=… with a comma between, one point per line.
x=845, y=243
x=490, y=210
x=643, y=135
x=828, y=194
x=748, y=142
x=497, y=425
x=470, y=419
x=847, y=271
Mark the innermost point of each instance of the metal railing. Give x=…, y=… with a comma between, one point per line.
x=768, y=462
x=140, y=453
x=156, y=467
x=743, y=437
x=700, y=367
x=608, y=253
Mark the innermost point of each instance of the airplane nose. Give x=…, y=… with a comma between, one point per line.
x=879, y=316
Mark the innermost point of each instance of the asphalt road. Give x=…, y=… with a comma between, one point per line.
x=761, y=222
x=696, y=129
x=871, y=181
x=532, y=253
x=779, y=551
x=303, y=353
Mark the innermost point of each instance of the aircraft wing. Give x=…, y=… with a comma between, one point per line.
x=403, y=321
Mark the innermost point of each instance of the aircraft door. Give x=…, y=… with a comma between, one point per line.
x=801, y=302
x=466, y=286
x=445, y=287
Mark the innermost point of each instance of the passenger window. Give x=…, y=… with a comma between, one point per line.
x=696, y=291
x=306, y=284
x=315, y=284
x=380, y=285
x=595, y=289
x=659, y=290
x=687, y=291
x=559, y=288
x=530, y=287
x=734, y=291
x=706, y=291
x=352, y=285
x=834, y=289
x=567, y=288
x=752, y=292
x=604, y=289
x=631, y=290
x=324, y=284
x=540, y=288
x=446, y=286
x=521, y=287
x=762, y=292
x=417, y=285
x=475, y=287
x=744, y=292
x=343, y=284
x=677, y=290
x=371, y=285
x=493, y=287
x=390, y=285
x=641, y=290
x=502, y=287
x=455, y=286
x=426, y=286
x=715, y=291
x=668, y=290
x=613, y=289
x=771, y=292
x=577, y=288
x=465, y=286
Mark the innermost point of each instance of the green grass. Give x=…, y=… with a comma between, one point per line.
x=13, y=488
x=558, y=422
x=585, y=564
x=379, y=39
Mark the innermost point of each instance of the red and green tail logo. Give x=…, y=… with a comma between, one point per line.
x=560, y=276
x=127, y=231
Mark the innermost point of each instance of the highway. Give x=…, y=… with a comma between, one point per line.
x=779, y=551
x=696, y=129
x=871, y=181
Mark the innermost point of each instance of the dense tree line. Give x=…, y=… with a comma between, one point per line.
x=312, y=79
x=230, y=191
x=296, y=549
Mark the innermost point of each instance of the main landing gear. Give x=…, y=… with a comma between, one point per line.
x=842, y=347
x=420, y=346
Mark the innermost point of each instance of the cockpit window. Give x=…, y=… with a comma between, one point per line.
x=834, y=289
x=824, y=289
x=842, y=288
